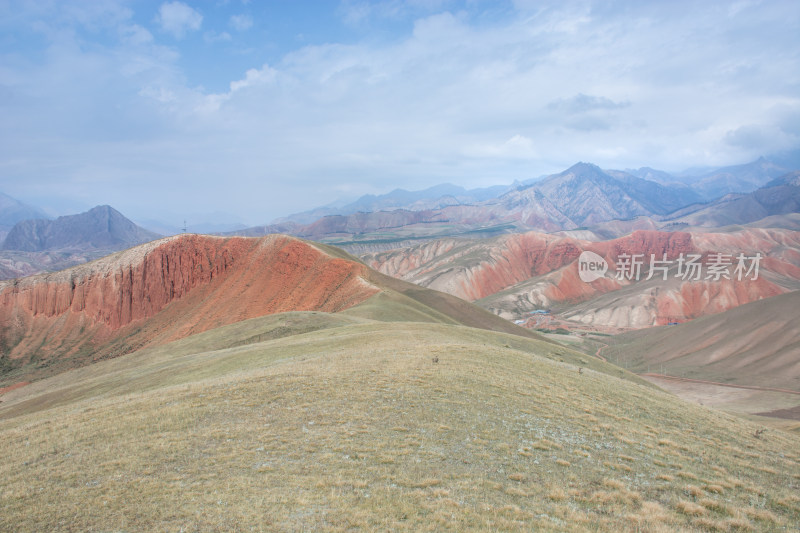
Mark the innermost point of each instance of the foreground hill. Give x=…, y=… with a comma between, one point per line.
x=273, y=384
x=316, y=421
x=175, y=287
x=513, y=275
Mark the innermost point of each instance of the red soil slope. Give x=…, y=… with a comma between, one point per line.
x=487, y=267
x=169, y=289
x=514, y=274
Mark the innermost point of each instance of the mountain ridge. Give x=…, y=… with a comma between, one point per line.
x=187, y=284
x=102, y=227
x=580, y=196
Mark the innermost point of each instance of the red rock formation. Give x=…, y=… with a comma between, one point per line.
x=169, y=289
x=518, y=273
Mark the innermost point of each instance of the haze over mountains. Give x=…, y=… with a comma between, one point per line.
x=681, y=189
x=35, y=245
x=583, y=195
x=781, y=196
x=587, y=201
x=102, y=227
x=719, y=182
x=279, y=362
x=13, y=211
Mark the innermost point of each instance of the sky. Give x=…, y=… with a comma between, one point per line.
x=246, y=111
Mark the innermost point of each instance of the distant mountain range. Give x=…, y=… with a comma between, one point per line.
x=587, y=195
x=102, y=227
x=685, y=187
x=713, y=184
x=436, y=197
x=583, y=195
x=780, y=196
x=37, y=245
x=584, y=198
x=13, y=211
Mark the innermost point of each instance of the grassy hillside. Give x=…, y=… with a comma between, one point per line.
x=755, y=344
x=170, y=289
x=338, y=422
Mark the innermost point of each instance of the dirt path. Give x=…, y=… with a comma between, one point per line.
x=600, y=349
x=749, y=387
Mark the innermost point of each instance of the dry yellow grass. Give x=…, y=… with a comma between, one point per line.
x=354, y=427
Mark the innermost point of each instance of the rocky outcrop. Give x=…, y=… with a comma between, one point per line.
x=100, y=228
x=515, y=274
x=169, y=289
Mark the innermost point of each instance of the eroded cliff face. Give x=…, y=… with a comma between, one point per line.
x=169, y=289
x=476, y=269
x=515, y=274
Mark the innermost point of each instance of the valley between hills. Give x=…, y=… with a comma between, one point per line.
x=276, y=384
x=463, y=377
x=399, y=265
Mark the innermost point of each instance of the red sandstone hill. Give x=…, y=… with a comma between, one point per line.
x=179, y=286
x=512, y=275
x=168, y=289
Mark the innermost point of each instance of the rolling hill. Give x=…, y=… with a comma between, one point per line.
x=378, y=408
x=755, y=344
x=745, y=361
x=514, y=275
x=182, y=285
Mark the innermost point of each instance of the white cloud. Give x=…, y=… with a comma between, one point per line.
x=214, y=37
x=582, y=103
x=517, y=147
x=241, y=22
x=452, y=99
x=254, y=77
x=135, y=35
x=177, y=18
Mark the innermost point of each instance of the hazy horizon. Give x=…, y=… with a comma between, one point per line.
x=259, y=110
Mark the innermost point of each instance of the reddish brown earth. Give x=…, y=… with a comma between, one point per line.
x=514, y=274
x=169, y=289
x=15, y=386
